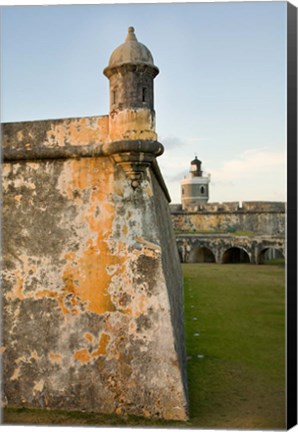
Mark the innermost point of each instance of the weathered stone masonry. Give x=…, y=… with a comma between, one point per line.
x=260, y=217
x=204, y=233
x=92, y=286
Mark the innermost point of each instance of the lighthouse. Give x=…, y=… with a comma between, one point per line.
x=195, y=187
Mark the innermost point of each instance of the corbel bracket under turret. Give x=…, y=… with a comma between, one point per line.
x=134, y=157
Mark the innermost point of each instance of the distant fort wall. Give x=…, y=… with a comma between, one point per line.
x=258, y=217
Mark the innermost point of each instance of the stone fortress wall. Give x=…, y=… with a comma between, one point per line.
x=259, y=217
x=92, y=286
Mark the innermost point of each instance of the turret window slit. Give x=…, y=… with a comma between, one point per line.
x=144, y=94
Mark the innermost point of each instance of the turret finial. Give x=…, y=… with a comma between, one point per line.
x=131, y=35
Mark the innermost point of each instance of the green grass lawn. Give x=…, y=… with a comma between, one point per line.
x=235, y=337
x=234, y=318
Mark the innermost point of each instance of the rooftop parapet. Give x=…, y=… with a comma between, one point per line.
x=272, y=206
x=232, y=207
x=53, y=139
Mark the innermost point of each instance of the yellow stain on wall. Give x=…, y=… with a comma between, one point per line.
x=84, y=356
x=19, y=288
x=78, y=132
x=35, y=356
x=16, y=374
x=38, y=387
x=89, y=337
x=132, y=124
x=102, y=346
x=59, y=297
x=17, y=291
x=91, y=282
x=20, y=135
x=55, y=358
x=85, y=273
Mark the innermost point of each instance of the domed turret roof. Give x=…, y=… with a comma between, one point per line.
x=131, y=52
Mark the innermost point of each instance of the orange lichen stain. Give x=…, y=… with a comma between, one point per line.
x=18, y=198
x=146, y=413
x=2, y=349
x=34, y=355
x=90, y=242
x=20, y=135
x=70, y=256
x=83, y=356
x=54, y=295
x=38, y=386
x=79, y=132
x=75, y=301
x=102, y=346
x=92, y=174
x=92, y=282
x=142, y=302
x=132, y=124
x=55, y=358
x=89, y=337
x=18, y=290
x=89, y=269
x=127, y=311
x=16, y=374
x=132, y=327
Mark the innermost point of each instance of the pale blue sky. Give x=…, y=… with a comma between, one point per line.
x=220, y=94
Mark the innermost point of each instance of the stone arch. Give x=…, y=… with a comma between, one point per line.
x=235, y=255
x=181, y=252
x=268, y=253
x=200, y=254
x=183, y=248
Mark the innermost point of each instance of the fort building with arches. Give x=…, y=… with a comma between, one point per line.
x=228, y=232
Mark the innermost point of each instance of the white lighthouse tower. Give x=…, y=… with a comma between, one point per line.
x=195, y=187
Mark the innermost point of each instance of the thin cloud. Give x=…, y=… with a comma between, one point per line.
x=255, y=174
x=197, y=140
x=253, y=162
x=172, y=142
x=175, y=177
